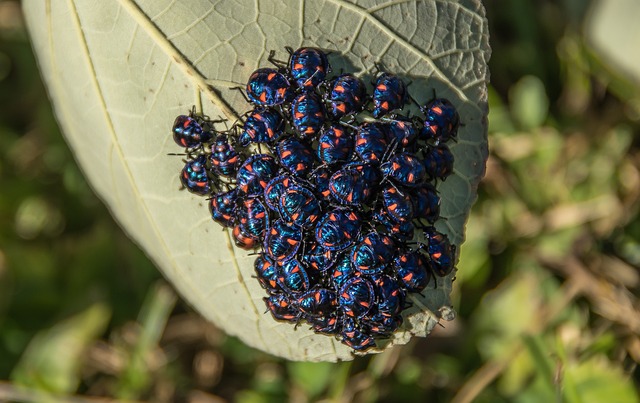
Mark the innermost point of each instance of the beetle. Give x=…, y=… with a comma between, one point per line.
x=338, y=229
x=438, y=162
x=223, y=207
x=255, y=173
x=318, y=302
x=353, y=184
x=262, y=125
x=389, y=93
x=372, y=253
x=356, y=337
x=307, y=114
x=441, y=121
x=405, y=168
x=268, y=87
x=295, y=156
x=281, y=308
x=224, y=159
x=439, y=251
x=274, y=190
x=412, y=270
x=347, y=95
x=401, y=130
x=356, y=297
x=266, y=273
x=370, y=142
x=282, y=241
x=293, y=277
x=426, y=202
x=243, y=239
x=398, y=205
x=335, y=144
x=194, y=176
x=389, y=296
x=254, y=217
x=308, y=67
x=299, y=206
x=188, y=131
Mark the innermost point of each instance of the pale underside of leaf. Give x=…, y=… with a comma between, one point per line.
x=119, y=72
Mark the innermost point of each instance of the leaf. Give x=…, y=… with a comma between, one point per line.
x=118, y=73
x=53, y=358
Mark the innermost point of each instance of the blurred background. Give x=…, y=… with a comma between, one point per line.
x=548, y=285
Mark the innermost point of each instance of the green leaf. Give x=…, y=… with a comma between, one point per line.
x=53, y=358
x=118, y=73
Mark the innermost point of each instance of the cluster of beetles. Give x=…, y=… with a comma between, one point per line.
x=330, y=183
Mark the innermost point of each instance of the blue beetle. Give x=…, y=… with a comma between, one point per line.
x=380, y=325
x=308, y=67
x=355, y=337
x=188, y=131
x=299, y=206
x=253, y=216
x=401, y=232
x=439, y=251
x=266, y=273
x=224, y=159
x=401, y=130
x=317, y=302
x=335, y=144
x=243, y=239
x=281, y=308
x=347, y=95
x=268, y=87
x=405, y=169
x=356, y=297
x=318, y=258
x=307, y=114
x=329, y=324
x=371, y=142
x=353, y=184
x=293, y=277
x=426, y=202
x=389, y=93
x=389, y=296
x=321, y=178
x=372, y=254
x=343, y=270
x=194, y=176
x=282, y=241
x=398, y=205
x=274, y=190
x=223, y=207
x=295, y=156
x=338, y=229
x=438, y=162
x=412, y=270
x=262, y=125
x=255, y=173
x=441, y=121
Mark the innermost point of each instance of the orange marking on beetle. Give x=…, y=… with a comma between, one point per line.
x=292, y=242
x=437, y=110
x=270, y=76
x=300, y=167
x=282, y=92
x=298, y=66
x=341, y=107
x=368, y=241
x=263, y=97
x=338, y=88
x=381, y=87
x=285, y=154
x=361, y=141
x=385, y=106
x=437, y=255
x=410, y=177
x=309, y=130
